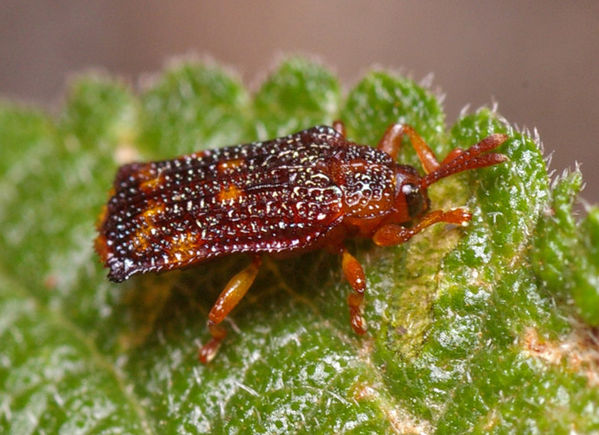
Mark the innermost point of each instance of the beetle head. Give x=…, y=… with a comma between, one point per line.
x=411, y=188
x=410, y=195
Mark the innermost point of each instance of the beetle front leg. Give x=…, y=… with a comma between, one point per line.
x=354, y=274
x=234, y=291
x=391, y=143
x=391, y=234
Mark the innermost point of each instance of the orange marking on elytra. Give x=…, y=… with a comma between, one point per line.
x=102, y=217
x=182, y=247
x=101, y=247
x=140, y=240
x=231, y=192
x=154, y=208
x=104, y=212
x=151, y=184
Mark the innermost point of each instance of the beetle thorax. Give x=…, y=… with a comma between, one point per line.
x=379, y=194
x=368, y=191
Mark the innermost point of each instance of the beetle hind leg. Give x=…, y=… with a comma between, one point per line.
x=233, y=292
x=354, y=274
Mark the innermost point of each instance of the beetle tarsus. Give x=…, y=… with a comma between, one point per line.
x=356, y=306
x=354, y=274
x=210, y=349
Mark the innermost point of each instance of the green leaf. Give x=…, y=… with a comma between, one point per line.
x=192, y=106
x=483, y=328
x=297, y=95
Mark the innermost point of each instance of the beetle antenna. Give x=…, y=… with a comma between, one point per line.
x=469, y=159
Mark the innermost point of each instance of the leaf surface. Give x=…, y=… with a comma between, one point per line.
x=470, y=329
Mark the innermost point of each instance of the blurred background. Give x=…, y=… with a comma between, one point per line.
x=538, y=59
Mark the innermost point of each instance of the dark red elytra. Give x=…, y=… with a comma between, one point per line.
x=308, y=190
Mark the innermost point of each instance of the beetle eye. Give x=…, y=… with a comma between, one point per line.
x=415, y=199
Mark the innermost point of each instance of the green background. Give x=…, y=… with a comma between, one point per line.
x=487, y=327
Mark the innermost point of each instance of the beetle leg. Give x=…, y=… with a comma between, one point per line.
x=340, y=127
x=391, y=142
x=234, y=291
x=392, y=234
x=354, y=274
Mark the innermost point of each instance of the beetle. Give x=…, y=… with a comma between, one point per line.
x=305, y=191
